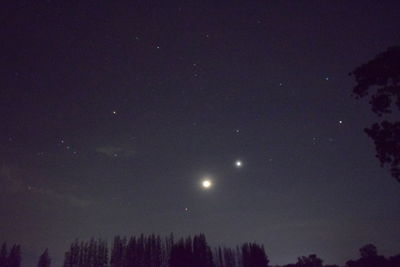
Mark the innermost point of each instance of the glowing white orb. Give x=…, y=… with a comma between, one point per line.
x=206, y=183
x=238, y=163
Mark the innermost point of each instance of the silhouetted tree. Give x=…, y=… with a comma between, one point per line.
x=253, y=255
x=191, y=252
x=166, y=253
x=3, y=255
x=202, y=256
x=14, y=258
x=44, y=260
x=310, y=261
x=102, y=254
x=225, y=257
x=394, y=261
x=369, y=258
x=381, y=78
x=368, y=251
x=72, y=256
x=181, y=255
x=152, y=251
x=87, y=254
x=229, y=258
x=118, y=252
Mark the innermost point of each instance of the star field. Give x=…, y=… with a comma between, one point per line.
x=182, y=117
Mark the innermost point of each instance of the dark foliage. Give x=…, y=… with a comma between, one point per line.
x=3, y=255
x=380, y=78
x=11, y=259
x=310, y=261
x=44, y=260
x=227, y=257
x=153, y=251
x=87, y=254
x=254, y=255
x=369, y=258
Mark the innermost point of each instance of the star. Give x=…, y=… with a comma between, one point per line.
x=238, y=163
x=340, y=122
x=114, y=112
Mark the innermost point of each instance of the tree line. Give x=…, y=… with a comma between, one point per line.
x=155, y=251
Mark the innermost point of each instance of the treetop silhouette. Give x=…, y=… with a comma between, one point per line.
x=380, y=79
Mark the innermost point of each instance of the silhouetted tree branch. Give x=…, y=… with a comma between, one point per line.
x=380, y=79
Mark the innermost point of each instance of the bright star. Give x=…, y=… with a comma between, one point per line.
x=238, y=163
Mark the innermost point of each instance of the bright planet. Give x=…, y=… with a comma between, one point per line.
x=206, y=184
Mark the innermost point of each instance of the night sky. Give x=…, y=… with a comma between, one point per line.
x=113, y=113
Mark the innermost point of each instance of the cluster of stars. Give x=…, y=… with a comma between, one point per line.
x=67, y=147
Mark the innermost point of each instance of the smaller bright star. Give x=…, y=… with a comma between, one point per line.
x=340, y=122
x=238, y=163
x=114, y=112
